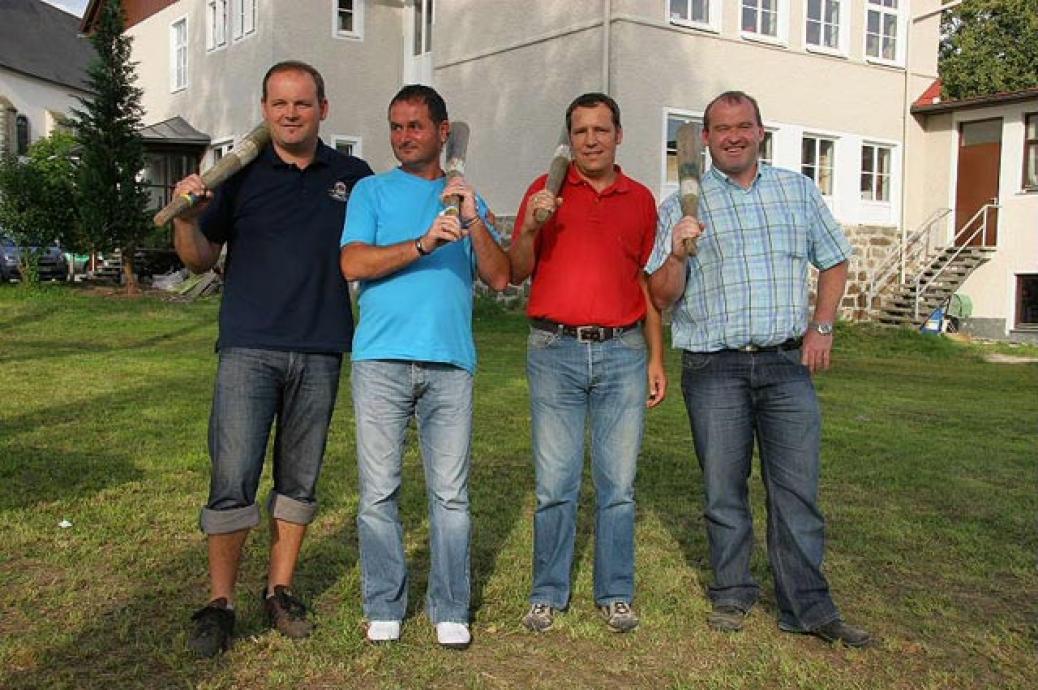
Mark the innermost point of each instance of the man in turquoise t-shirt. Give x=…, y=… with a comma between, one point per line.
x=413, y=355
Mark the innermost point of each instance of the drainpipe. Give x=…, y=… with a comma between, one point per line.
x=607, y=27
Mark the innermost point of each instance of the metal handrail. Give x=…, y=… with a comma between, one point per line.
x=982, y=213
x=912, y=251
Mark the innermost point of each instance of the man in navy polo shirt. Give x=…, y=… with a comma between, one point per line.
x=285, y=321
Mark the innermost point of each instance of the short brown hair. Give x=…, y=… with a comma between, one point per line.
x=590, y=100
x=732, y=98
x=295, y=66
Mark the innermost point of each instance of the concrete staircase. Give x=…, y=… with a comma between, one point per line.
x=913, y=301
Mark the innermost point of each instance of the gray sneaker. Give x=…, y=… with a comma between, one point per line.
x=619, y=616
x=539, y=618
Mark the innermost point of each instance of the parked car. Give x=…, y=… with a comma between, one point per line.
x=147, y=262
x=52, y=264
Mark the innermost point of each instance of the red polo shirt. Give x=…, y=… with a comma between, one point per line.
x=589, y=255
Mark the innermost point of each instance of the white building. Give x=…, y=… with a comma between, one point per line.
x=43, y=63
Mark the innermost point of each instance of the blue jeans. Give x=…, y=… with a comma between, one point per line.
x=570, y=383
x=253, y=388
x=386, y=395
x=732, y=397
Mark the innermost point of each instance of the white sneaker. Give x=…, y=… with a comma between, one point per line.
x=453, y=635
x=383, y=631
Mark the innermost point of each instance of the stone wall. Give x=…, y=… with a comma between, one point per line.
x=871, y=244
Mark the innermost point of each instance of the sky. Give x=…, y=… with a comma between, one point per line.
x=76, y=7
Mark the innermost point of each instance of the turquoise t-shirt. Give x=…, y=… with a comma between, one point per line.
x=423, y=312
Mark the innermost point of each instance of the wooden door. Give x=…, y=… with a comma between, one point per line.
x=980, y=155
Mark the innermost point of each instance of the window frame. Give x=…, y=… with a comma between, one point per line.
x=220, y=148
x=213, y=42
x=875, y=174
x=356, y=144
x=781, y=37
x=174, y=85
x=357, y=34
x=900, y=28
x=843, y=27
x=239, y=31
x=713, y=11
x=832, y=167
x=1030, y=144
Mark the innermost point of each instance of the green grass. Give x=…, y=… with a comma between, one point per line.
x=928, y=488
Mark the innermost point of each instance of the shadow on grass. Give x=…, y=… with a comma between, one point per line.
x=44, y=470
x=63, y=347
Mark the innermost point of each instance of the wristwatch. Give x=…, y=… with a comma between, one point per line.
x=821, y=327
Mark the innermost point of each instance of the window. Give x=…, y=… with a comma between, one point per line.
x=245, y=18
x=1026, y=300
x=215, y=24
x=701, y=14
x=348, y=18
x=816, y=162
x=222, y=148
x=766, y=154
x=178, y=55
x=881, y=29
x=763, y=18
x=875, y=172
x=1031, y=152
x=21, y=135
x=671, y=146
x=347, y=145
x=423, y=20
x=823, y=28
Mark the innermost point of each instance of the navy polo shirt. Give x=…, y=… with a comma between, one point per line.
x=283, y=289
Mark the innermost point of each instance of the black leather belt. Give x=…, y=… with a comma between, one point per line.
x=584, y=334
x=791, y=344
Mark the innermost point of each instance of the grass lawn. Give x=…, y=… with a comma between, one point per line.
x=929, y=488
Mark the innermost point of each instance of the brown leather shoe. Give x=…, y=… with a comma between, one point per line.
x=287, y=613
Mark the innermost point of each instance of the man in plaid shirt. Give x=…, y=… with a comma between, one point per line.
x=741, y=318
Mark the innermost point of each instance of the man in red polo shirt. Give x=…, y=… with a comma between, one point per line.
x=594, y=356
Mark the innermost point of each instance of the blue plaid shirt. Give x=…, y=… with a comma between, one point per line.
x=749, y=282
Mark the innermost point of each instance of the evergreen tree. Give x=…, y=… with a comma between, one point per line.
x=989, y=46
x=112, y=200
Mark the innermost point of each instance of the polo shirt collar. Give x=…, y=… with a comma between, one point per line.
x=323, y=156
x=724, y=179
x=621, y=184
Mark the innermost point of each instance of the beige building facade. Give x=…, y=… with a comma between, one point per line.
x=834, y=78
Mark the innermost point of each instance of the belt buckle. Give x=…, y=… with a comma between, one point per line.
x=750, y=348
x=589, y=334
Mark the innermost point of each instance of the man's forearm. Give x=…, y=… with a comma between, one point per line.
x=667, y=284
x=360, y=261
x=653, y=325
x=194, y=248
x=831, y=284
x=521, y=256
x=491, y=261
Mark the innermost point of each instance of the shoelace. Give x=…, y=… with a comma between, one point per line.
x=621, y=608
x=541, y=609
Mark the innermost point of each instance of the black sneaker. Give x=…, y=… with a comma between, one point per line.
x=287, y=613
x=838, y=631
x=214, y=625
x=726, y=618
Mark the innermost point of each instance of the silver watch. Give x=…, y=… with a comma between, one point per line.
x=821, y=327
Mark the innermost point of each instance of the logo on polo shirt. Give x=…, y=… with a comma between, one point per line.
x=339, y=191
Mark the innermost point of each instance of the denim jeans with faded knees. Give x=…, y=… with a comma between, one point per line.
x=732, y=397
x=572, y=383
x=253, y=389
x=386, y=395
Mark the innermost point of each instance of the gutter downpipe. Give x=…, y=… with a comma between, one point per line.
x=607, y=27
